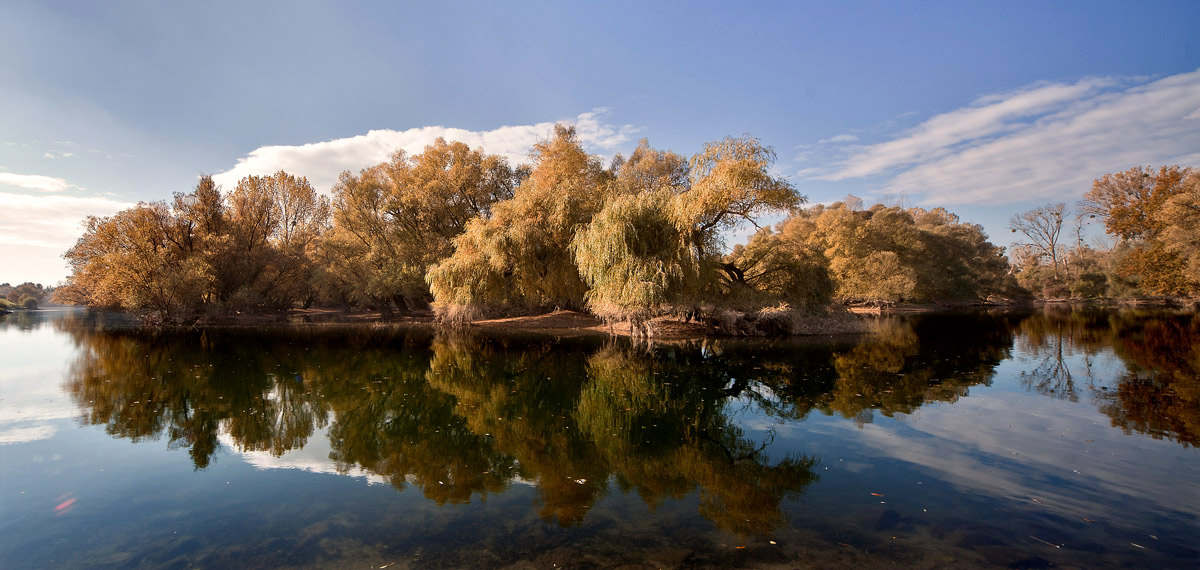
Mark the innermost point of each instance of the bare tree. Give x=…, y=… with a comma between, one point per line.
x=1043, y=226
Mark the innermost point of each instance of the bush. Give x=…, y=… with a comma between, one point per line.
x=28, y=302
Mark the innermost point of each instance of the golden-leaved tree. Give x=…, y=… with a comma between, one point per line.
x=519, y=256
x=1153, y=215
x=630, y=242
x=246, y=251
x=656, y=245
x=272, y=223
x=133, y=261
x=395, y=220
x=880, y=255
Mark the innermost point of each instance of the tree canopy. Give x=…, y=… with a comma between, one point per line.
x=1153, y=214
x=466, y=234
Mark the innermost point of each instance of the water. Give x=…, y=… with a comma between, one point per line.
x=1057, y=438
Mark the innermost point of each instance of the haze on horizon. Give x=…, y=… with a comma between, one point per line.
x=986, y=109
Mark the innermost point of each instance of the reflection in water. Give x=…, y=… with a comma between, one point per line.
x=672, y=455
x=1157, y=394
x=458, y=417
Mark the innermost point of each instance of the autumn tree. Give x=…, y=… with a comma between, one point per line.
x=395, y=220
x=880, y=255
x=656, y=245
x=1153, y=236
x=27, y=295
x=245, y=251
x=271, y=221
x=1180, y=220
x=130, y=261
x=636, y=257
x=520, y=256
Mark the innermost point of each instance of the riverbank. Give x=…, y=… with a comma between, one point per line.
x=558, y=323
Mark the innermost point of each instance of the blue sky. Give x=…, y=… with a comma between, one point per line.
x=987, y=108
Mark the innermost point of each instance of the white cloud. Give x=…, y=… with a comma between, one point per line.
x=843, y=138
x=313, y=456
x=1046, y=142
x=49, y=221
x=35, y=182
x=26, y=434
x=323, y=162
x=1016, y=446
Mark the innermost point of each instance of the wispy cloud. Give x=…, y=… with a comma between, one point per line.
x=49, y=221
x=35, y=182
x=843, y=138
x=323, y=162
x=1047, y=141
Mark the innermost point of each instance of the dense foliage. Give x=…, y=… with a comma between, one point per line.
x=245, y=251
x=1154, y=216
x=466, y=234
x=24, y=296
x=879, y=255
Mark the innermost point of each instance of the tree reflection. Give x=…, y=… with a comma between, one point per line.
x=1056, y=335
x=1160, y=393
x=1157, y=392
x=907, y=364
x=662, y=422
x=462, y=417
x=141, y=385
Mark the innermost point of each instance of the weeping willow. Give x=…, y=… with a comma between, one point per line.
x=638, y=259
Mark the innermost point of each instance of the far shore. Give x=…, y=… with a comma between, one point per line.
x=575, y=323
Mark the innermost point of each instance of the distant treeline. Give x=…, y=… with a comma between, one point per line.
x=24, y=296
x=468, y=235
x=1154, y=218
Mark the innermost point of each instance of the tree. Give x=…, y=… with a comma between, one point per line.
x=1153, y=236
x=520, y=256
x=1180, y=220
x=27, y=289
x=781, y=267
x=128, y=261
x=272, y=221
x=1043, y=226
x=882, y=255
x=395, y=220
x=636, y=258
x=168, y=264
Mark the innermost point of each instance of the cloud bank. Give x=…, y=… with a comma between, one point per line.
x=34, y=182
x=323, y=162
x=1044, y=142
x=49, y=221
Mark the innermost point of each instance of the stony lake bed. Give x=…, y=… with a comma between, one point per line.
x=1059, y=437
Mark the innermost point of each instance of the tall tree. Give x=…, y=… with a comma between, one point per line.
x=1133, y=204
x=1043, y=227
x=520, y=256
x=272, y=221
x=130, y=261
x=393, y=221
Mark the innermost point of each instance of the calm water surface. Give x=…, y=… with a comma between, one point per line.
x=1058, y=438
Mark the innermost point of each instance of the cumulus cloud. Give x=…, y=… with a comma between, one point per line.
x=1045, y=142
x=34, y=182
x=323, y=162
x=49, y=221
